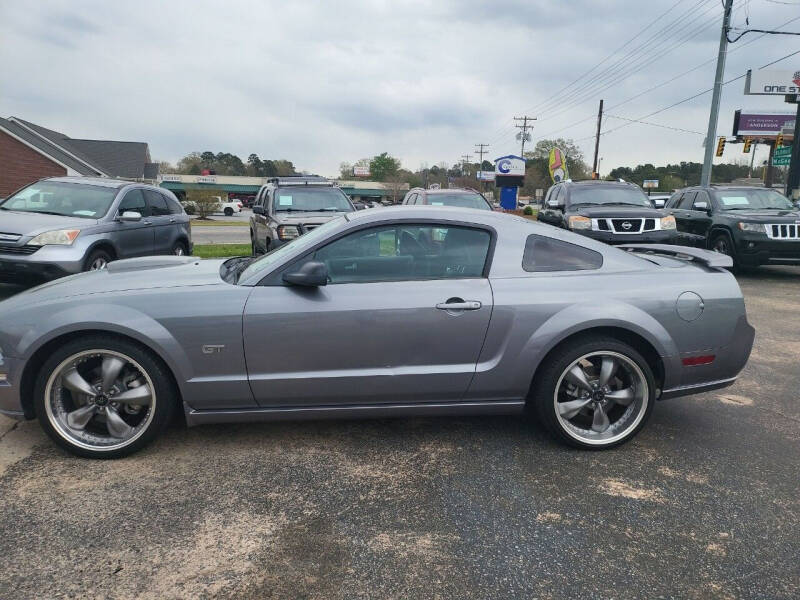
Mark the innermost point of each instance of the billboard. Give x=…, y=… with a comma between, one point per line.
x=772, y=83
x=361, y=171
x=485, y=175
x=765, y=123
x=512, y=166
x=650, y=183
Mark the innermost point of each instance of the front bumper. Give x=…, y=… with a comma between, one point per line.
x=49, y=262
x=760, y=250
x=668, y=236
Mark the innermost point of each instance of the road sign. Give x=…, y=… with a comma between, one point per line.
x=781, y=161
x=782, y=151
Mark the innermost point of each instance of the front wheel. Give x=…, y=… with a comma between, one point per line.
x=179, y=249
x=229, y=212
x=595, y=393
x=103, y=397
x=97, y=261
x=723, y=244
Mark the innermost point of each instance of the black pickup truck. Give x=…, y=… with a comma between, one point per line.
x=615, y=212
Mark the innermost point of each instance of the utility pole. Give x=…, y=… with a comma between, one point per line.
x=595, y=174
x=711, y=135
x=481, y=150
x=523, y=134
x=752, y=159
x=465, y=158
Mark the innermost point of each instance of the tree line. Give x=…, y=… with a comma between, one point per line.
x=225, y=163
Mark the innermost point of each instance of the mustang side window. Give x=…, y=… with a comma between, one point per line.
x=547, y=254
x=406, y=252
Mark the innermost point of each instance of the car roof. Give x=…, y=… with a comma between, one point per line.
x=100, y=181
x=599, y=182
x=451, y=190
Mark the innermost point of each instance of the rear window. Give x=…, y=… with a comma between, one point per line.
x=547, y=254
x=459, y=200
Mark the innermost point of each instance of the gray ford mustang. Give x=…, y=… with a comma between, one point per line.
x=389, y=312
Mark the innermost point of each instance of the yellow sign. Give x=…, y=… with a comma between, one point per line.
x=557, y=165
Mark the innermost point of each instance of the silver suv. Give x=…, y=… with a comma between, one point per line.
x=65, y=225
x=288, y=207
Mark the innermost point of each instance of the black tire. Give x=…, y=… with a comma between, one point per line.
x=165, y=398
x=722, y=243
x=543, y=396
x=180, y=249
x=97, y=258
x=228, y=211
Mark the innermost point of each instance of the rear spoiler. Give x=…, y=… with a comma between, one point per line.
x=707, y=257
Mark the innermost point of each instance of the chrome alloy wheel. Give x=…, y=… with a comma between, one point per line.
x=100, y=400
x=601, y=397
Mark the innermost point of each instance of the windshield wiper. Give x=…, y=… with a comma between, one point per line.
x=331, y=208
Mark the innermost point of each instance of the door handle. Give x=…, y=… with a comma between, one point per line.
x=147, y=222
x=172, y=220
x=459, y=305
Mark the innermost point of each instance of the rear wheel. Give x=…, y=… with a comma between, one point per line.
x=595, y=393
x=228, y=211
x=103, y=397
x=97, y=260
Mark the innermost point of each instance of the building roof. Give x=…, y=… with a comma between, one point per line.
x=91, y=157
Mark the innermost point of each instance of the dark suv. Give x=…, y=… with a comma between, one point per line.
x=288, y=207
x=754, y=226
x=615, y=212
x=463, y=198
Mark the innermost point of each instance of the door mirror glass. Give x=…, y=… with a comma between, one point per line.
x=258, y=210
x=659, y=203
x=310, y=274
x=130, y=216
x=359, y=205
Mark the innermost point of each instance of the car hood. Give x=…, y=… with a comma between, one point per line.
x=765, y=216
x=621, y=212
x=26, y=224
x=149, y=272
x=310, y=218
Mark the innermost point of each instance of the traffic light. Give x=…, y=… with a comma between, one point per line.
x=720, y=146
x=746, y=147
x=779, y=140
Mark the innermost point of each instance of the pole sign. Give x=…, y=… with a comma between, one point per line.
x=557, y=165
x=772, y=83
x=509, y=166
x=485, y=175
x=762, y=123
x=650, y=183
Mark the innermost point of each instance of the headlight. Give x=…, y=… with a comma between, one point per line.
x=753, y=227
x=288, y=232
x=668, y=222
x=580, y=223
x=60, y=237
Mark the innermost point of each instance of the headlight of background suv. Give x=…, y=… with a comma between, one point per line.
x=668, y=222
x=752, y=227
x=60, y=237
x=580, y=223
x=288, y=232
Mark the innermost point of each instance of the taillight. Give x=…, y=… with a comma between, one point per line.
x=693, y=361
x=239, y=204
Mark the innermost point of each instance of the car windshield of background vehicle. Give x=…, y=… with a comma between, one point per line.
x=64, y=199
x=310, y=199
x=274, y=257
x=460, y=200
x=753, y=199
x=598, y=194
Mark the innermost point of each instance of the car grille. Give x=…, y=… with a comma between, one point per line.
x=783, y=231
x=626, y=226
x=18, y=249
x=9, y=237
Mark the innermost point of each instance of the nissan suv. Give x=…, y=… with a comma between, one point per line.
x=754, y=226
x=287, y=207
x=65, y=225
x=614, y=212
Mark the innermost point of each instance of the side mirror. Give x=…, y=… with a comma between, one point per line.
x=359, y=205
x=130, y=216
x=258, y=210
x=311, y=274
x=554, y=204
x=701, y=205
x=660, y=203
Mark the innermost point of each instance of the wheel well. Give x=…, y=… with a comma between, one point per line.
x=104, y=246
x=636, y=341
x=35, y=363
x=715, y=231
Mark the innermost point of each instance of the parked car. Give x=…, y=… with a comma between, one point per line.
x=65, y=225
x=407, y=311
x=754, y=226
x=615, y=212
x=460, y=197
x=288, y=207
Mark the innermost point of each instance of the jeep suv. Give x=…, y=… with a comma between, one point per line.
x=288, y=207
x=754, y=226
x=463, y=198
x=614, y=212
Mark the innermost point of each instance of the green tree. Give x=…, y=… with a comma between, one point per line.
x=383, y=166
x=204, y=200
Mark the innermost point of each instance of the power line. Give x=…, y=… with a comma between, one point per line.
x=654, y=124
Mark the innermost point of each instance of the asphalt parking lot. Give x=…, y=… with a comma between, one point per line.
x=704, y=503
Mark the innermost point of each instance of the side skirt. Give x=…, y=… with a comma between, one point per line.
x=374, y=411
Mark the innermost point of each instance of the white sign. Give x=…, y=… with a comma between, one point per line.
x=176, y=178
x=650, y=183
x=361, y=171
x=539, y=192
x=768, y=83
x=485, y=175
x=510, y=165
x=206, y=179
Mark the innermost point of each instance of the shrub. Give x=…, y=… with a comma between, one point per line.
x=205, y=201
x=528, y=210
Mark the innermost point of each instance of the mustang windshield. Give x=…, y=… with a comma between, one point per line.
x=460, y=200
x=302, y=198
x=64, y=199
x=753, y=199
x=599, y=195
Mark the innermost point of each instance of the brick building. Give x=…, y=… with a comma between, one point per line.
x=29, y=152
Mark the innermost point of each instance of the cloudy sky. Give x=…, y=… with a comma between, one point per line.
x=321, y=82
